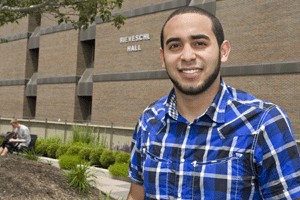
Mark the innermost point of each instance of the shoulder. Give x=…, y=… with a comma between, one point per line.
x=156, y=108
x=242, y=98
x=24, y=128
x=153, y=116
x=253, y=108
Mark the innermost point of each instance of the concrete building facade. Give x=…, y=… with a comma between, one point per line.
x=108, y=76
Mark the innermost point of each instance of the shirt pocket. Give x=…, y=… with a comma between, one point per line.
x=156, y=172
x=217, y=179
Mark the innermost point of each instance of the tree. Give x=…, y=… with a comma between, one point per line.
x=80, y=13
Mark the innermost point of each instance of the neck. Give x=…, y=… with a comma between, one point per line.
x=193, y=106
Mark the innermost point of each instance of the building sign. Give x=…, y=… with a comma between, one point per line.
x=130, y=40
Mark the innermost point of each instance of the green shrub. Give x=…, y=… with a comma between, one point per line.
x=119, y=169
x=95, y=156
x=51, y=150
x=122, y=157
x=107, y=158
x=85, y=153
x=41, y=148
x=73, y=149
x=41, y=145
x=79, y=178
x=39, y=141
x=69, y=161
x=62, y=149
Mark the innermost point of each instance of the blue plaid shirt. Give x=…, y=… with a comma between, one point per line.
x=241, y=148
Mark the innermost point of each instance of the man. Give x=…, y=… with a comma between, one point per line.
x=22, y=139
x=207, y=140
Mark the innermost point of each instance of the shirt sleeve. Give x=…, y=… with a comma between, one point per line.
x=135, y=167
x=277, y=157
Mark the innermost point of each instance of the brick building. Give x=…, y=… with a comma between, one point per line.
x=104, y=75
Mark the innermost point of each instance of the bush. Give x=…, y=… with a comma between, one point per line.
x=41, y=145
x=119, y=169
x=122, y=157
x=69, y=161
x=62, y=149
x=107, y=158
x=51, y=150
x=73, y=149
x=85, y=153
x=95, y=156
x=41, y=148
x=79, y=178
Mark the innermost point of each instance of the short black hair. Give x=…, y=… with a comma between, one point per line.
x=216, y=24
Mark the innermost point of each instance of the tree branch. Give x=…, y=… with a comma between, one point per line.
x=25, y=9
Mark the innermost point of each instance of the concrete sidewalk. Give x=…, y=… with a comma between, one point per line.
x=117, y=189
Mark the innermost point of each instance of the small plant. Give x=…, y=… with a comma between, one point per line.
x=80, y=178
x=95, y=156
x=51, y=150
x=85, y=153
x=73, y=150
x=41, y=145
x=107, y=158
x=62, y=149
x=122, y=157
x=102, y=141
x=31, y=155
x=69, y=162
x=83, y=134
x=119, y=169
x=41, y=148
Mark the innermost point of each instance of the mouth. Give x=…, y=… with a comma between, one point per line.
x=190, y=71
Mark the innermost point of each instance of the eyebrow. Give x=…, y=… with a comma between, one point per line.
x=194, y=37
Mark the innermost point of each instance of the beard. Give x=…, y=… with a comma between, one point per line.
x=200, y=88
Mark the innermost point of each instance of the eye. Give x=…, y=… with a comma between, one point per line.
x=199, y=43
x=173, y=46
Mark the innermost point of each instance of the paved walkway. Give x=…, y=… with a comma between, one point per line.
x=117, y=189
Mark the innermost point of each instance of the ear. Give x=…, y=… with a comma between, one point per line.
x=162, y=57
x=225, y=50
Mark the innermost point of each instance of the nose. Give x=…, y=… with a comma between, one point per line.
x=188, y=53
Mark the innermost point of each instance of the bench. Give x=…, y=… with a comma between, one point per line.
x=31, y=146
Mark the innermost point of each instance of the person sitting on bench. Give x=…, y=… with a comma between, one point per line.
x=20, y=140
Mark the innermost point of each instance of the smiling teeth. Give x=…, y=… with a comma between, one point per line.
x=190, y=71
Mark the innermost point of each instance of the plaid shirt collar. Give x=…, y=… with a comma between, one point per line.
x=216, y=111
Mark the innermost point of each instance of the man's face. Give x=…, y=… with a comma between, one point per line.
x=191, y=54
x=14, y=125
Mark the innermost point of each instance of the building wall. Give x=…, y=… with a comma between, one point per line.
x=55, y=102
x=13, y=57
x=112, y=57
x=11, y=100
x=124, y=101
x=262, y=33
x=11, y=29
x=58, y=54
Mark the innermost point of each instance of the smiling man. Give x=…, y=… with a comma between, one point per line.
x=207, y=140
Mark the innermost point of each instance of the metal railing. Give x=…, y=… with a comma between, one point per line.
x=114, y=137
